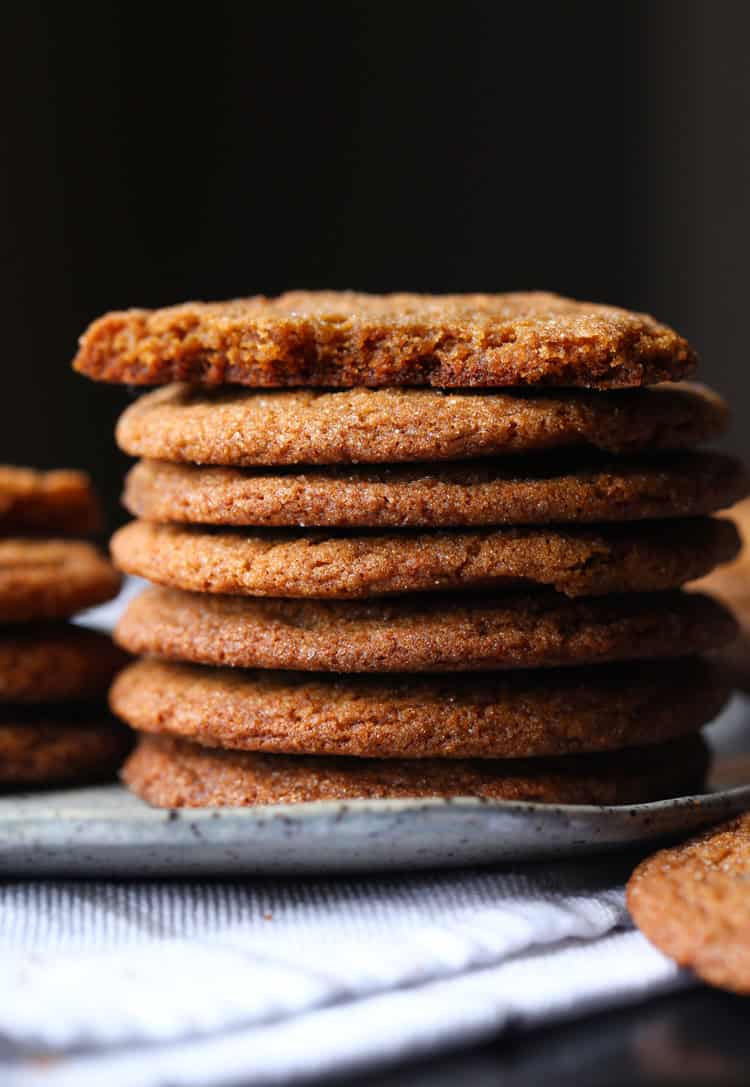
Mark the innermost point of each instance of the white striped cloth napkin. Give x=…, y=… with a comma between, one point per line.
x=170, y=984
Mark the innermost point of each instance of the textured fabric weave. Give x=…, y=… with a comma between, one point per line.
x=277, y=980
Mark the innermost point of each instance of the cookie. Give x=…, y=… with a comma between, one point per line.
x=517, y=715
x=56, y=662
x=692, y=902
x=577, y=561
x=441, y=633
x=438, y=495
x=59, y=745
x=732, y=585
x=343, y=339
x=52, y=579
x=172, y=773
x=246, y=427
x=57, y=503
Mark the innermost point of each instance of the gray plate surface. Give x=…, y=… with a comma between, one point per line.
x=107, y=832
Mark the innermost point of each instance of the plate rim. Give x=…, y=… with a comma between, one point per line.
x=9, y=810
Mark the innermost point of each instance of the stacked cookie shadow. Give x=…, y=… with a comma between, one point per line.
x=448, y=561
x=55, y=727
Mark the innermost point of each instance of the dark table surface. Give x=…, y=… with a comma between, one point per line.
x=699, y=1036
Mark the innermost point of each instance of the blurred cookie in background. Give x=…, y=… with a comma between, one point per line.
x=57, y=503
x=731, y=584
x=691, y=902
x=55, y=727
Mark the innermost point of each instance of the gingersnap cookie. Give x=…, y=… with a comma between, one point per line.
x=56, y=662
x=233, y=426
x=577, y=561
x=52, y=579
x=59, y=745
x=692, y=902
x=61, y=502
x=517, y=715
x=441, y=633
x=438, y=495
x=173, y=773
x=731, y=584
x=344, y=338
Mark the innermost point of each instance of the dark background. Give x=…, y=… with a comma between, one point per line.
x=151, y=155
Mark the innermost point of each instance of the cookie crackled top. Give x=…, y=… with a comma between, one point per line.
x=692, y=902
x=423, y=633
x=577, y=560
x=484, y=716
x=439, y=495
x=230, y=425
x=340, y=339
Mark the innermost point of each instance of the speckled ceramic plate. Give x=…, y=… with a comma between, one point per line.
x=107, y=832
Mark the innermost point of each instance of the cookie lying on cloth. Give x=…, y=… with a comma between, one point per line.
x=692, y=902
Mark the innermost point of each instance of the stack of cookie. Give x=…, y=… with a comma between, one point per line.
x=54, y=724
x=445, y=560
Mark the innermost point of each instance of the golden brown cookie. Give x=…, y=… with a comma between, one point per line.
x=55, y=662
x=516, y=715
x=60, y=744
x=441, y=633
x=577, y=561
x=342, y=338
x=732, y=585
x=52, y=579
x=245, y=427
x=172, y=773
x=56, y=503
x=439, y=495
x=692, y=902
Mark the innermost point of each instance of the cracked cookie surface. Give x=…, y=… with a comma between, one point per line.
x=443, y=632
x=578, y=561
x=235, y=426
x=439, y=495
x=483, y=716
x=345, y=338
